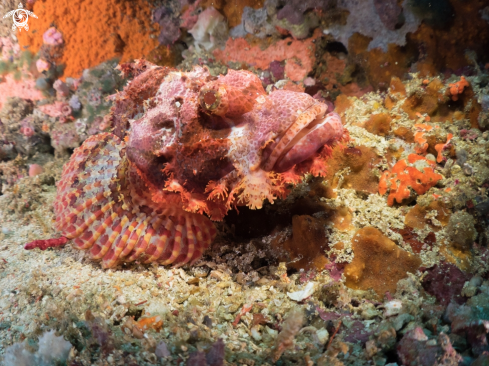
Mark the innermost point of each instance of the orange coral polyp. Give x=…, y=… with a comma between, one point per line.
x=423, y=126
x=421, y=141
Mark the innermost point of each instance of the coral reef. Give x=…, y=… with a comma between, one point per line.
x=26, y=89
x=52, y=37
x=461, y=230
x=298, y=56
x=445, y=281
x=296, y=18
x=233, y=11
x=22, y=130
x=166, y=17
x=471, y=320
x=434, y=216
x=415, y=349
x=355, y=165
x=358, y=128
x=305, y=249
x=458, y=88
x=364, y=18
x=210, y=30
x=290, y=327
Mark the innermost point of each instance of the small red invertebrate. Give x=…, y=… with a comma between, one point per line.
x=245, y=309
x=185, y=145
x=45, y=244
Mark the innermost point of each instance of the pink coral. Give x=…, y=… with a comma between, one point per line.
x=299, y=56
x=8, y=48
x=26, y=127
x=190, y=15
x=42, y=65
x=62, y=91
x=25, y=89
x=35, y=169
x=52, y=37
x=202, y=145
x=57, y=109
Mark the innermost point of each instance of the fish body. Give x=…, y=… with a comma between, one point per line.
x=186, y=148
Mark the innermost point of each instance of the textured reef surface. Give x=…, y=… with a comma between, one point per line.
x=245, y=183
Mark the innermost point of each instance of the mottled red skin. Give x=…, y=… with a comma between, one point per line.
x=185, y=145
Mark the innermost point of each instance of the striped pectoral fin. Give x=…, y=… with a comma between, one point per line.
x=112, y=256
x=81, y=211
x=207, y=230
x=145, y=238
x=99, y=247
x=135, y=230
x=80, y=241
x=201, y=243
x=102, y=246
x=161, y=241
x=175, y=248
x=179, y=260
x=190, y=243
x=99, y=229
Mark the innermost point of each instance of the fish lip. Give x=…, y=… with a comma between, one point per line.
x=285, y=163
x=269, y=148
x=304, y=121
x=301, y=136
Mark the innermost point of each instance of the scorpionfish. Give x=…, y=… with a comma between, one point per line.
x=186, y=148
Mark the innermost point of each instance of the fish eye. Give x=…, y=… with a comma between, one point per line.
x=209, y=99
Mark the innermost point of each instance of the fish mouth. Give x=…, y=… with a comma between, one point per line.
x=311, y=131
x=322, y=133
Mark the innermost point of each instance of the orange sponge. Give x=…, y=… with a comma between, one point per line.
x=421, y=141
x=458, y=88
x=404, y=175
x=440, y=147
x=379, y=263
